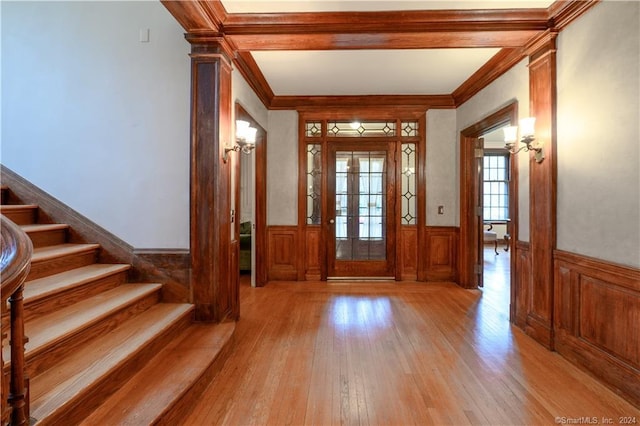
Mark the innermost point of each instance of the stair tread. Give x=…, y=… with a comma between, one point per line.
x=41, y=254
x=45, y=330
x=43, y=227
x=164, y=379
x=54, y=388
x=46, y=286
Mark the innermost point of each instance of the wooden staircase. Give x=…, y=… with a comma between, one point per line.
x=102, y=350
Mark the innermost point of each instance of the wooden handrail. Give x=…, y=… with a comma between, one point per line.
x=15, y=262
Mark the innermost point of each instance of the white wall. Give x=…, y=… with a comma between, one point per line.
x=282, y=168
x=98, y=119
x=442, y=167
x=513, y=85
x=599, y=135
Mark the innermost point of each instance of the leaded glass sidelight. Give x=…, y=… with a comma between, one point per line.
x=408, y=177
x=314, y=179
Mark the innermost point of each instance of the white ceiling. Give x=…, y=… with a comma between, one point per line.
x=370, y=72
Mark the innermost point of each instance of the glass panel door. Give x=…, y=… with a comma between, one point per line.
x=359, y=201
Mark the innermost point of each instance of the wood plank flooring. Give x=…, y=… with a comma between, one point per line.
x=393, y=354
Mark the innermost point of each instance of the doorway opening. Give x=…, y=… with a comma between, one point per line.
x=250, y=205
x=479, y=225
x=496, y=221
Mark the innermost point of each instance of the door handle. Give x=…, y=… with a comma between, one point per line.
x=331, y=221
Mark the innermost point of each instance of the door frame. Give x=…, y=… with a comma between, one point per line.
x=390, y=147
x=469, y=230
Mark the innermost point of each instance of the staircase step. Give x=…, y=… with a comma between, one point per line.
x=166, y=388
x=52, y=292
x=55, y=336
x=61, y=257
x=82, y=380
x=21, y=214
x=46, y=234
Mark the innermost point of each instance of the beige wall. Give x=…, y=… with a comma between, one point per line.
x=442, y=168
x=599, y=134
x=282, y=168
x=513, y=85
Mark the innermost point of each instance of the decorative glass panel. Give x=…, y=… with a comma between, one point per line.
x=360, y=205
x=408, y=212
x=314, y=179
x=313, y=129
x=357, y=129
x=409, y=128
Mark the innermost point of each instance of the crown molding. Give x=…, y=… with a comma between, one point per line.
x=499, y=64
x=247, y=66
x=563, y=12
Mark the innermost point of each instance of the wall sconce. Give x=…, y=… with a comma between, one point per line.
x=245, y=139
x=527, y=126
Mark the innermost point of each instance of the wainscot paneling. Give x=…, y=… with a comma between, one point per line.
x=522, y=283
x=597, y=319
x=313, y=254
x=408, y=256
x=282, y=254
x=440, y=253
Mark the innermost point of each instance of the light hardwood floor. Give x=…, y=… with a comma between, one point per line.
x=394, y=354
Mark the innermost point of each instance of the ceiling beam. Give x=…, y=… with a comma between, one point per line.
x=305, y=102
x=427, y=40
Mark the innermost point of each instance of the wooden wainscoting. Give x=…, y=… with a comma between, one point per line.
x=522, y=283
x=282, y=253
x=597, y=319
x=314, y=255
x=408, y=253
x=440, y=259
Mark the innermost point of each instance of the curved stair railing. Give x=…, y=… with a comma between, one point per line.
x=15, y=262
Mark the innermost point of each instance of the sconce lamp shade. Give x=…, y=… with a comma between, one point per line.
x=242, y=128
x=510, y=134
x=527, y=126
x=250, y=136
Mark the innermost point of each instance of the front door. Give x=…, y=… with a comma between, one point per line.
x=361, y=210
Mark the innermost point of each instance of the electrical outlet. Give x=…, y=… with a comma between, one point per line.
x=440, y=209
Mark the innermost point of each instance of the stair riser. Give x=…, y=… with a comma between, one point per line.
x=22, y=217
x=48, y=238
x=50, y=355
x=83, y=404
x=174, y=414
x=73, y=295
x=61, y=264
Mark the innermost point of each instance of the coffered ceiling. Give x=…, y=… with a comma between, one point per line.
x=295, y=52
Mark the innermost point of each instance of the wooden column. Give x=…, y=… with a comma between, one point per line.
x=542, y=189
x=213, y=289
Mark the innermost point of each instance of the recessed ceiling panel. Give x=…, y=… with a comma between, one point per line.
x=270, y=6
x=369, y=72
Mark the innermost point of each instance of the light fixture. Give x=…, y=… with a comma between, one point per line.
x=527, y=126
x=245, y=139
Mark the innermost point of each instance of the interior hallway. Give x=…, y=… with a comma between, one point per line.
x=393, y=354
